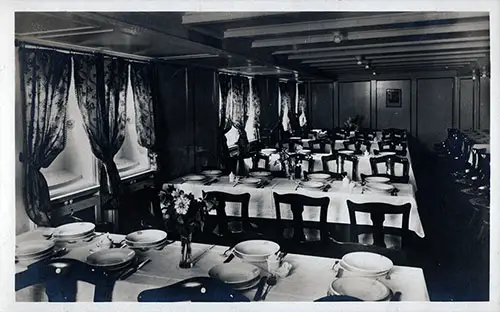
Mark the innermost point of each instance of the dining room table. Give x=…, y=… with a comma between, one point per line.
x=308, y=279
x=262, y=203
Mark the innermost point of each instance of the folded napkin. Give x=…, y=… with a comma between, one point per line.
x=284, y=269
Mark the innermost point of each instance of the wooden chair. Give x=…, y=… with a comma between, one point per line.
x=353, y=159
x=297, y=203
x=257, y=158
x=405, y=172
x=375, y=161
x=232, y=226
x=60, y=278
x=378, y=235
x=358, y=145
x=325, y=160
x=194, y=289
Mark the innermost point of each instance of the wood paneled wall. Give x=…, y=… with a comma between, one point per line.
x=431, y=103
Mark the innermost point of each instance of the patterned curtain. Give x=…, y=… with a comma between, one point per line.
x=45, y=80
x=142, y=78
x=101, y=84
x=224, y=123
x=302, y=105
x=254, y=107
x=238, y=112
x=285, y=106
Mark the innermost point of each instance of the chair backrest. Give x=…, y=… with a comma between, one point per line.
x=60, y=277
x=195, y=289
x=377, y=213
x=375, y=161
x=297, y=203
x=353, y=159
x=404, y=162
x=257, y=159
x=327, y=162
x=222, y=198
x=357, y=145
x=317, y=146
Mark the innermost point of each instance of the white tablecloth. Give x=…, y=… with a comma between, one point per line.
x=262, y=202
x=309, y=279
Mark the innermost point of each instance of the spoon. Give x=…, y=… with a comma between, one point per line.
x=271, y=281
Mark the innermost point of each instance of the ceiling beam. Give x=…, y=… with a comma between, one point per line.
x=388, y=44
x=398, y=60
x=444, y=63
x=391, y=56
x=403, y=49
x=384, y=70
x=374, y=34
x=222, y=17
x=335, y=24
x=76, y=33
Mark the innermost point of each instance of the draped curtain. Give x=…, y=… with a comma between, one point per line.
x=142, y=80
x=285, y=106
x=238, y=110
x=253, y=104
x=45, y=80
x=100, y=84
x=302, y=104
x=224, y=123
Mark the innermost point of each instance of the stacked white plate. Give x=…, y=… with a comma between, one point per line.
x=212, y=173
x=366, y=264
x=304, y=151
x=252, y=182
x=346, y=152
x=111, y=259
x=260, y=174
x=74, y=232
x=267, y=151
x=377, y=179
x=34, y=250
x=146, y=239
x=380, y=187
x=255, y=250
x=312, y=184
x=386, y=154
x=195, y=178
x=319, y=176
x=363, y=288
x=239, y=276
x=296, y=138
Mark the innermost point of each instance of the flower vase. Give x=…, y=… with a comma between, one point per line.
x=186, y=261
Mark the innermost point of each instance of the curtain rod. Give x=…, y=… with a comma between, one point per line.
x=69, y=48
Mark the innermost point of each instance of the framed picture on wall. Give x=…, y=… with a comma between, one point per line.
x=393, y=98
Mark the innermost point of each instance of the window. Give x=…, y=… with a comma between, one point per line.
x=132, y=158
x=75, y=168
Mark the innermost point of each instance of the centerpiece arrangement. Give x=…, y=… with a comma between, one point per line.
x=185, y=214
x=353, y=124
x=290, y=163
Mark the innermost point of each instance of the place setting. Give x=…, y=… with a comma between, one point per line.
x=361, y=275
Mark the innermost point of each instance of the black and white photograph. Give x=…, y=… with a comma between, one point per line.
x=263, y=156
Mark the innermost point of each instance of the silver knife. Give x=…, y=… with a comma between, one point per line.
x=202, y=254
x=132, y=270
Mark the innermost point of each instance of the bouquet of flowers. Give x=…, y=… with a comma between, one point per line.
x=183, y=211
x=353, y=124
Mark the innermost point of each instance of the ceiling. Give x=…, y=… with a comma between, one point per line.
x=308, y=45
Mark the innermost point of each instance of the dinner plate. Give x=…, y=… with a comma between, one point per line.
x=367, y=262
x=377, y=179
x=260, y=174
x=380, y=187
x=146, y=245
x=346, y=152
x=145, y=237
x=34, y=247
x=319, y=176
x=312, y=184
x=212, y=172
x=363, y=288
x=351, y=272
x=256, y=250
x=234, y=273
x=248, y=285
x=194, y=178
x=111, y=258
x=74, y=230
x=386, y=154
x=304, y=151
x=250, y=181
x=267, y=151
x=295, y=138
